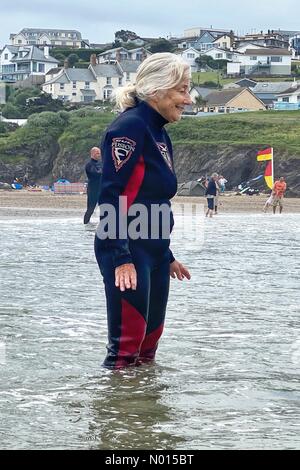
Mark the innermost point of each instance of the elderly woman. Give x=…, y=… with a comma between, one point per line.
x=138, y=166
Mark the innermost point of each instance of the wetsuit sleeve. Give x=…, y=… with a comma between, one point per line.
x=122, y=150
x=172, y=258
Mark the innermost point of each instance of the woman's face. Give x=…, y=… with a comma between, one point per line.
x=171, y=103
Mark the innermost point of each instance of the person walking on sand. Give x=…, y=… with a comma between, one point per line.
x=211, y=193
x=279, y=189
x=93, y=171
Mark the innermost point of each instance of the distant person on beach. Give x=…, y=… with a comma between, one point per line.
x=211, y=193
x=222, y=183
x=279, y=189
x=138, y=172
x=93, y=171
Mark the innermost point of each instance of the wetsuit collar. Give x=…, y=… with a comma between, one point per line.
x=152, y=115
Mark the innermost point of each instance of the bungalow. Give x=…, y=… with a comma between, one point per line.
x=268, y=92
x=199, y=91
x=233, y=100
x=290, y=99
x=263, y=61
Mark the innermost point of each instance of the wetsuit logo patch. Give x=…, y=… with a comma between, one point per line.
x=122, y=149
x=162, y=147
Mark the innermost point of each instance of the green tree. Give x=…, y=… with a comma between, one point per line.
x=161, y=45
x=73, y=59
x=11, y=111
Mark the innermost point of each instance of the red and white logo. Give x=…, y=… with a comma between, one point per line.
x=163, y=148
x=122, y=149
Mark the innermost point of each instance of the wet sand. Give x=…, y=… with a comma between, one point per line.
x=46, y=204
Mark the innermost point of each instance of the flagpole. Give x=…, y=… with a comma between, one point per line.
x=272, y=168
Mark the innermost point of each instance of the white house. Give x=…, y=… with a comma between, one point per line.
x=95, y=83
x=246, y=45
x=20, y=62
x=48, y=37
x=189, y=56
x=221, y=54
x=121, y=53
x=263, y=61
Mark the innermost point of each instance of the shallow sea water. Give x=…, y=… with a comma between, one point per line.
x=227, y=374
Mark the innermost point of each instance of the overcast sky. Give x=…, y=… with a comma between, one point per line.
x=98, y=20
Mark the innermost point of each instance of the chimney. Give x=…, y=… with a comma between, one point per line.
x=46, y=51
x=93, y=59
x=66, y=64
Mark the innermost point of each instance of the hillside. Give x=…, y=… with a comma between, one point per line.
x=54, y=145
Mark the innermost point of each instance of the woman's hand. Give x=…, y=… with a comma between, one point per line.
x=125, y=277
x=178, y=270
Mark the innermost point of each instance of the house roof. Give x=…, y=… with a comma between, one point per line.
x=106, y=70
x=272, y=87
x=72, y=75
x=54, y=70
x=129, y=65
x=201, y=90
x=221, y=98
x=268, y=51
x=80, y=75
x=291, y=91
x=49, y=31
x=32, y=53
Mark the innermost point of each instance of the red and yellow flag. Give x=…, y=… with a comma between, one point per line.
x=269, y=175
x=264, y=155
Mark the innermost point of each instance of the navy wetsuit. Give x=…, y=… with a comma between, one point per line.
x=93, y=171
x=137, y=163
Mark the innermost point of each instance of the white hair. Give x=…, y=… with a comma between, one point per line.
x=159, y=72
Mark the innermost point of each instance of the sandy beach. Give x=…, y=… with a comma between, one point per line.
x=46, y=204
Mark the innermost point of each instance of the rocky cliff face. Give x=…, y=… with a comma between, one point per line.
x=236, y=164
x=191, y=162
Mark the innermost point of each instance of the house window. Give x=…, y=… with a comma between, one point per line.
x=190, y=55
x=61, y=86
x=19, y=41
x=6, y=56
x=219, y=56
x=127, y=76
x=41, y=68
x=253, y=57
x=286, y=99
x=120, y=81
x=276, y=59
x=74, y=85
x=73, y=94
x=87, y=85
x=107, y=94
x=108, y=80
x=34, y=67
x=224, y=45
x=139, y=56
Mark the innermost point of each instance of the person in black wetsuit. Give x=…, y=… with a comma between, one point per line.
x=211, y=194
x=138, y=169
x=93, y=171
